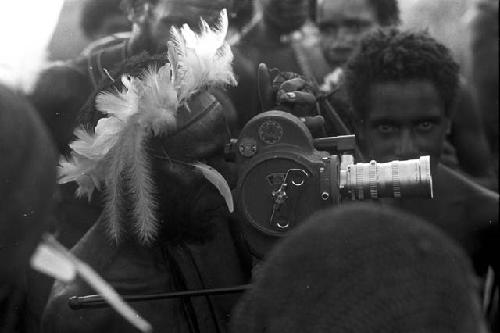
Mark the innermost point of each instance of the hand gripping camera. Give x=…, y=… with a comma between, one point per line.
x=284, y=175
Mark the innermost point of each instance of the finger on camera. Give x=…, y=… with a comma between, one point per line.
x=297, y=97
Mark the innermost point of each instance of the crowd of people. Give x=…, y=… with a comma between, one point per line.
x=141, y=121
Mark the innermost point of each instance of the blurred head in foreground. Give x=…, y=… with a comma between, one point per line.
x=27, y=182
x=344, y=272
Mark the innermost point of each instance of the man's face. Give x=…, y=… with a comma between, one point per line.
x=285, y=15
x=342, y=23
x=168, y=13
x=404, y=120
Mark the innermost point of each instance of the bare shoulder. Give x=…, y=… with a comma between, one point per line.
x=476, y=198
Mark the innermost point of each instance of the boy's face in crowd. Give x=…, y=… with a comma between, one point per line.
x=403, y=120
x=168, y=13
x=342, y=23
x=286, y=15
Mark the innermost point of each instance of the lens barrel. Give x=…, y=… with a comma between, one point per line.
x=396, y=179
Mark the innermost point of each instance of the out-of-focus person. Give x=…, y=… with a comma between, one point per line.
x=343, y=23
x=362, y=269
x=271, y=41
x=101, y=18
x=64, y=87
x=27, y=184
x=164, y=227
x=242, y=19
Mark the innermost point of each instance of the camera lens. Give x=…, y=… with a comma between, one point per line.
x=396, y=179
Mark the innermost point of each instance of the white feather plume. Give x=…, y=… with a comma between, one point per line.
x=114, y=190
x=144, y=211
x=158, y=101
x=114, y=155
x=202, y=60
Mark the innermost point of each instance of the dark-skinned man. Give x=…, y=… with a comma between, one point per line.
x=63, y=89
x=164, y=227
x=402, y=87
x=271, y=41
x=342, y=24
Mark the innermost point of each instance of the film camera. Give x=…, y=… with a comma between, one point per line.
x=284, y=175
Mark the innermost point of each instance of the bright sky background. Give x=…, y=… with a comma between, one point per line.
x=25, y=30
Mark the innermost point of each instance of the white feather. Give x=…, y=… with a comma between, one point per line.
x=106, y=134
x=144, y=204
x=214, y=177
x=81, y=170
x=158, y=101
x=114, y=155
x=115, y=184
x=202, y=60
x=121, y=104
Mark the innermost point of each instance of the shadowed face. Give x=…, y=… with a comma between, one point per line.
x=404, y=120
x=285, y=15
x=342, y=23
x=168, y=13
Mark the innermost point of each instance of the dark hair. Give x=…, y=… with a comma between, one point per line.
x=393, y=55
x=387, y=11
x=95, y=12
x=320, y=278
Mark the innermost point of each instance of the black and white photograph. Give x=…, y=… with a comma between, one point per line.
x=249, y=166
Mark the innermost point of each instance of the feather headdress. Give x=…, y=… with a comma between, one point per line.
x=113, y=158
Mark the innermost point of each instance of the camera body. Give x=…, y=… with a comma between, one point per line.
x=284, y=176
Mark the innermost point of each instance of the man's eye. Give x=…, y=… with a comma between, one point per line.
x=386, y=128
x=425, y=126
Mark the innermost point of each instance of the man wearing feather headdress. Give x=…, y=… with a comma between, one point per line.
x=165, y=222
x=63, y=88
x=72, y=83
